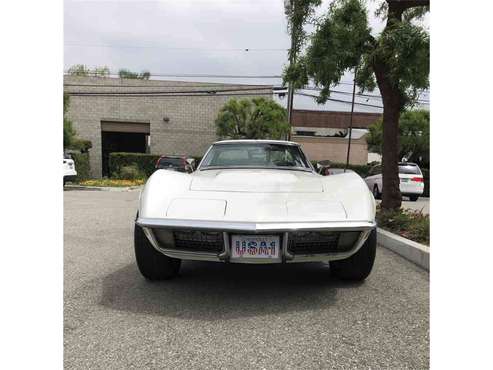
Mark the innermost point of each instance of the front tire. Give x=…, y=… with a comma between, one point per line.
x=359, y=265
x=413, y=198
x=152, y=264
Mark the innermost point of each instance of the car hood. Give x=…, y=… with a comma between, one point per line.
x=256, y=208
x=256, y=196
x=256, y=181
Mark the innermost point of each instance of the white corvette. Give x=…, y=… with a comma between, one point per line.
x=255, y=201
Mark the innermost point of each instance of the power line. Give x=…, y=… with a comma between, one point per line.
x=205, y=84
x=212, y=91
x=358, y=94
x=163, y=47
x=340, y=101
x=197, y=75
x=171, y=95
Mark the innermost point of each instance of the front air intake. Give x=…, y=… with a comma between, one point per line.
x=198, y=241
x=321, y=242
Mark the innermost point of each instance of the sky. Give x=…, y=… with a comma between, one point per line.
x=192, y=37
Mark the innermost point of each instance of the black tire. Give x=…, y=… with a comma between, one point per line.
x=152, y=264
x=413, y=198
x=359, y=265
x=376, y=193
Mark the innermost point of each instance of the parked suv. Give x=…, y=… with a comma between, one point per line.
x=178, y=163
x=411, y=180
x=69, y=172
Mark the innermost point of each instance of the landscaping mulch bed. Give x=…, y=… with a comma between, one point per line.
x=409, y=224
x=112, y=182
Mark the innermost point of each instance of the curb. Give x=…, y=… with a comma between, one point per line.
x=417, y=253
x=102, y=188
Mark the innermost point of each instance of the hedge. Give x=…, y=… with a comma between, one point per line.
x=82, y=165
x=143, y=161
x=360, y=169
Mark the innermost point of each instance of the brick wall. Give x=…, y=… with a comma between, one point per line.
x=333, y=119
x=333, y=149
x=190, y=129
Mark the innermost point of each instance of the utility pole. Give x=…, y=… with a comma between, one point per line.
x=289, y=9
x=351, y=121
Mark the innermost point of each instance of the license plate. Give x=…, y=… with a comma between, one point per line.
x=255, y=246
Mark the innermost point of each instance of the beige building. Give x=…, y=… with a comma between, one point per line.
x=158, y=117
x=174, y=117
x=316, y=130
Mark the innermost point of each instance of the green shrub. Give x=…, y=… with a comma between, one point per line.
x=143, y=162
x=130, y=172
x=81, y=145
x=82, y=165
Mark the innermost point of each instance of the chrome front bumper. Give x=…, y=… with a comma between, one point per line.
x=227, y=228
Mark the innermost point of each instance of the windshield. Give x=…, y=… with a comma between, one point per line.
x=255, y=155
x=409, y=169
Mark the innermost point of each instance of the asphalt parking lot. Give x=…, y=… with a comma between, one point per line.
x=228, y=316
x=422, y=204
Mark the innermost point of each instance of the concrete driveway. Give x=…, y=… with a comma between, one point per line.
x=228, y=316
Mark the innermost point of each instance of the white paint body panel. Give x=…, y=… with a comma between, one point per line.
x=257, y=181
x=256, y=196
x=69, y=168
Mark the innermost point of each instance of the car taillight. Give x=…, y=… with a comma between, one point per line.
x=417, y=179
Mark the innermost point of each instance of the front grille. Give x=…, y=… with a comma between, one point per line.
x=199, y=241
x=313, y=242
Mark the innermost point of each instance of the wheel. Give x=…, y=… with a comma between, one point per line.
x=359, y=265
x=413, y=198
x=376, y=193
x=152, y=264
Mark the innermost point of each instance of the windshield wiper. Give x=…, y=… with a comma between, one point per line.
x=204, y=168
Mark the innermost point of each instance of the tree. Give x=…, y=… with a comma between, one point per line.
x=70, y=139
x=82, y=70
x=256, y=118
x=125, y=73
x=101, y=71
x=414, y=137
x=79, y=70
x=397, y=60
x=68, y=130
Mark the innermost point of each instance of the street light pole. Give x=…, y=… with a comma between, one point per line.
x=290, y=7
x=351, y=122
